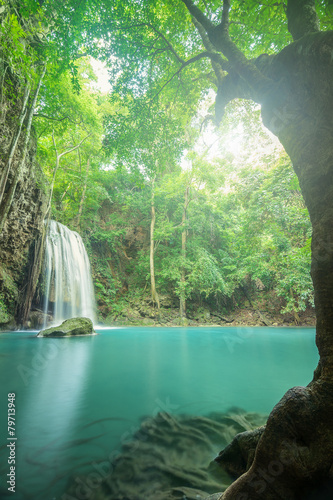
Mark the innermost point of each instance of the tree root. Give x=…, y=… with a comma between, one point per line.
x=294, y=455
x=238, y=456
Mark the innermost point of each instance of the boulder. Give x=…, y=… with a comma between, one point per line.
x=70, y=327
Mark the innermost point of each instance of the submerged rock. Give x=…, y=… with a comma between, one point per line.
x=238, y=456
x=70, y=327
x=169, y=457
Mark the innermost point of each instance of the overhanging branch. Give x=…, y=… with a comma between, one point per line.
x=225, y=16
x=161, y=35
x=232, y=87
x=219, y=37
x=199, y=15
x=170, y=47
x=302, y=18
x=217, y=63
x=41, y=115
x=211, y=55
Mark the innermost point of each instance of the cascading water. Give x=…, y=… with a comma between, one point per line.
x=68, y=285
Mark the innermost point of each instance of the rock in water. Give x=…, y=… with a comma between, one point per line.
x=168, y=458
x=69, y=328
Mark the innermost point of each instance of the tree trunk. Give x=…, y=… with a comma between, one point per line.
x=5, y=208
x=154, y=294
x=33, y=277
x=182, y=298
x=58, y=158
x=295, y=453
x=79, y=214
x=14, y=142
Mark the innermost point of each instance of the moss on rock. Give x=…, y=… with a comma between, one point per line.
x=70, y=327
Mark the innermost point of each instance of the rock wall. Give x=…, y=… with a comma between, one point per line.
x=25, y=219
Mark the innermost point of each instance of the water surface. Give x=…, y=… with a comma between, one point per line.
x=78, y=399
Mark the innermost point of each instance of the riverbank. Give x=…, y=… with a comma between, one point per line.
x=262, y=310
x=259, y=312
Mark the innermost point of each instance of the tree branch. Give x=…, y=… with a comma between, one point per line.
x=211, y=55
x=232, y=87
x=302, y=18
x=199, y=15
x=148, y=25
x=75, y=147
x=170, y=47
x=218, y=63
x=58, y=158
x=41, y=115
x=225, y=16
x=219, y=37
x=206, y=6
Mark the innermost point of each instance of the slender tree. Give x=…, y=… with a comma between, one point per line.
x=154, y=294
x=14, y=141
x=182, y=298
x=8, y=200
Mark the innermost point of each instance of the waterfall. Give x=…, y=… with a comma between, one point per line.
x=68, y=285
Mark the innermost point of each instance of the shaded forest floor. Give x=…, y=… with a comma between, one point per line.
x=262, y=310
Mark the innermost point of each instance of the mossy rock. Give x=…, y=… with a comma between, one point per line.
x=69, y=328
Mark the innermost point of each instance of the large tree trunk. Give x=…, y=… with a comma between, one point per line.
x=295, y=452
x=305, y=128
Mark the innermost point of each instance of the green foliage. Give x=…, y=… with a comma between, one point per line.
x=16, y=52
x=245, y=222
x=143, y=136
x=250, y=230
x=8, y=296
x=294, y=281
x=205, y=275
x=4, y=315
x=268, y=235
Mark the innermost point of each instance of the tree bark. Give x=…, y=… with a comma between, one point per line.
x=302, y=18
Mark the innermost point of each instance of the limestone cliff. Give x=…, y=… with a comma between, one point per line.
x=25, y=218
